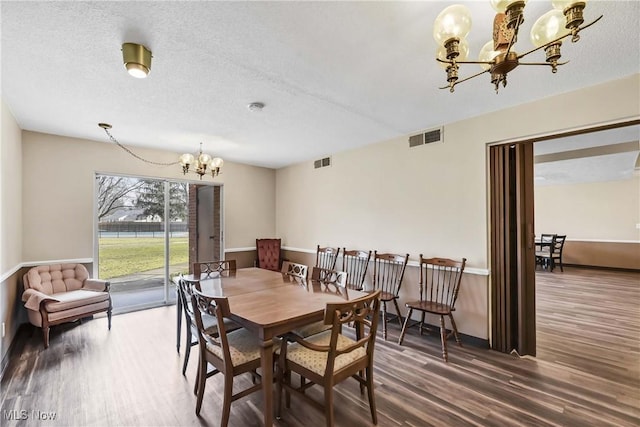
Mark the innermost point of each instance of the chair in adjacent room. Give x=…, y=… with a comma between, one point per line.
x=231, y=353
x=269, y=254
x=328, y=358
x=388, y=272
x=553, y=256
x=59, y=293
x=210, y=268
x=327, y=257
x=544, y=250
x=439, y=286
x=355, y=263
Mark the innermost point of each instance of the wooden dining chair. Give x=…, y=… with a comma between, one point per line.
x=355, y=263
x=295, y=270
x=388, y=272
x=327, y=257
x=210, y=323
x=328, y=358
x=231, y=353
x=558, y=247
x=212, y=268
x=439, y=285
x=269, y=254
x=544, y=250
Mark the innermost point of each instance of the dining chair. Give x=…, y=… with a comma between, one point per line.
x=210, y=268
x=269, y=254
x=328, y=358
x=327, y=257
x=544, y=250
x=231, y=353
x=553, y=254
x=210, y=323
x=295, y=270
x=388, y=272
x=439, y=285
x=355, y=263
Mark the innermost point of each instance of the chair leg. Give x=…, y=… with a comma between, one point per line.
x=372, y=400
x=187, y=352
x=455, y=330
x=421, y=322
x=202, y=377
x=109, y=316
x=45, y=335
x=226, y=400
x=395, y=302
x=404, y=327
x=328, y=404
x=443, y=338
x=384, y=320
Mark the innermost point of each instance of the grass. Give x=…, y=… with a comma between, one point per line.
x=130, y=255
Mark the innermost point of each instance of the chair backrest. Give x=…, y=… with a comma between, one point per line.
x=355, y=263
x=558, y=244
x=294, y=269
x=388, y=271
x=331, y=280
x=184, y=293
x=327, y=257
x=213, y=306
x=364, y=313
x=55, y=278
x=440, y=281
x=268, y=251
x=211, y=267
x=548, y=242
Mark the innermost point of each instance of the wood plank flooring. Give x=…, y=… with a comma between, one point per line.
x=586, y=372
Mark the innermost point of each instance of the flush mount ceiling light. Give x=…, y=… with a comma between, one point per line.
x=137, y=59
x=203, y=163
x=497, y=56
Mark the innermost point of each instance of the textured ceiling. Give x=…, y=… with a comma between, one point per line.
x=333, y=75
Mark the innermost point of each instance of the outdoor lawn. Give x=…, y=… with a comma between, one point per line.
x=129, y=255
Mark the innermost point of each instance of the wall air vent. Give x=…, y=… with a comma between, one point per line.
x=428, y=137
x=322, y=163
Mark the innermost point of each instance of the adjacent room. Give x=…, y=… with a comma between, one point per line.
x=320, y=213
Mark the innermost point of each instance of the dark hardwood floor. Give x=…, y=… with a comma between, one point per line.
x=587, y=372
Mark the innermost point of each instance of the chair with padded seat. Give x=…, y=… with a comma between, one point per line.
x=552, y=256
x=269, y=254
x=231, y=353
x=60, y=293
x=327, y=257
x=295, y=271
x=439, y=286
x=544, y=250
x=388, y=272
x=328, y=358
x=355, y=263
x=213, y=268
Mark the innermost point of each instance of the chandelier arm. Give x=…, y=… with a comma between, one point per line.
x=560, y=38
x=543, y=63
x=464, y=80
x=132, y=153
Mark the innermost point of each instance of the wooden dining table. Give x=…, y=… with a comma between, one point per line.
x=269, y=304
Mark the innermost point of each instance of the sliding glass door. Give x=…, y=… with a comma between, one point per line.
x=143, y=237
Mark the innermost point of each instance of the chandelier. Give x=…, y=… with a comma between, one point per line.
x=203, y=162
x=497, y=56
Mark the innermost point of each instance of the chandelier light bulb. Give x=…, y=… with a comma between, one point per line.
x=186, y=159
x=487, y=54
x=453, y=21
x=501, y=6
x=217, y=162
x=548, y=27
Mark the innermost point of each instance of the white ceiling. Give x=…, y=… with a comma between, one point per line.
x=333, y=75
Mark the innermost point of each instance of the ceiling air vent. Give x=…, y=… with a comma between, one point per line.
x=322, y=163
x=428, y=137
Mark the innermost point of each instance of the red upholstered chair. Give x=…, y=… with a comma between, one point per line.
x=269, y=256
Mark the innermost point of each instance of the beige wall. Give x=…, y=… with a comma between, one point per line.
x=58, y=214
x=431, y=199
x=10, y=224
x=570, y=210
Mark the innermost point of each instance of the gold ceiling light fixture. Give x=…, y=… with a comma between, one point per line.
x=203, y=162
x=137, y=59
x=497, y=56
